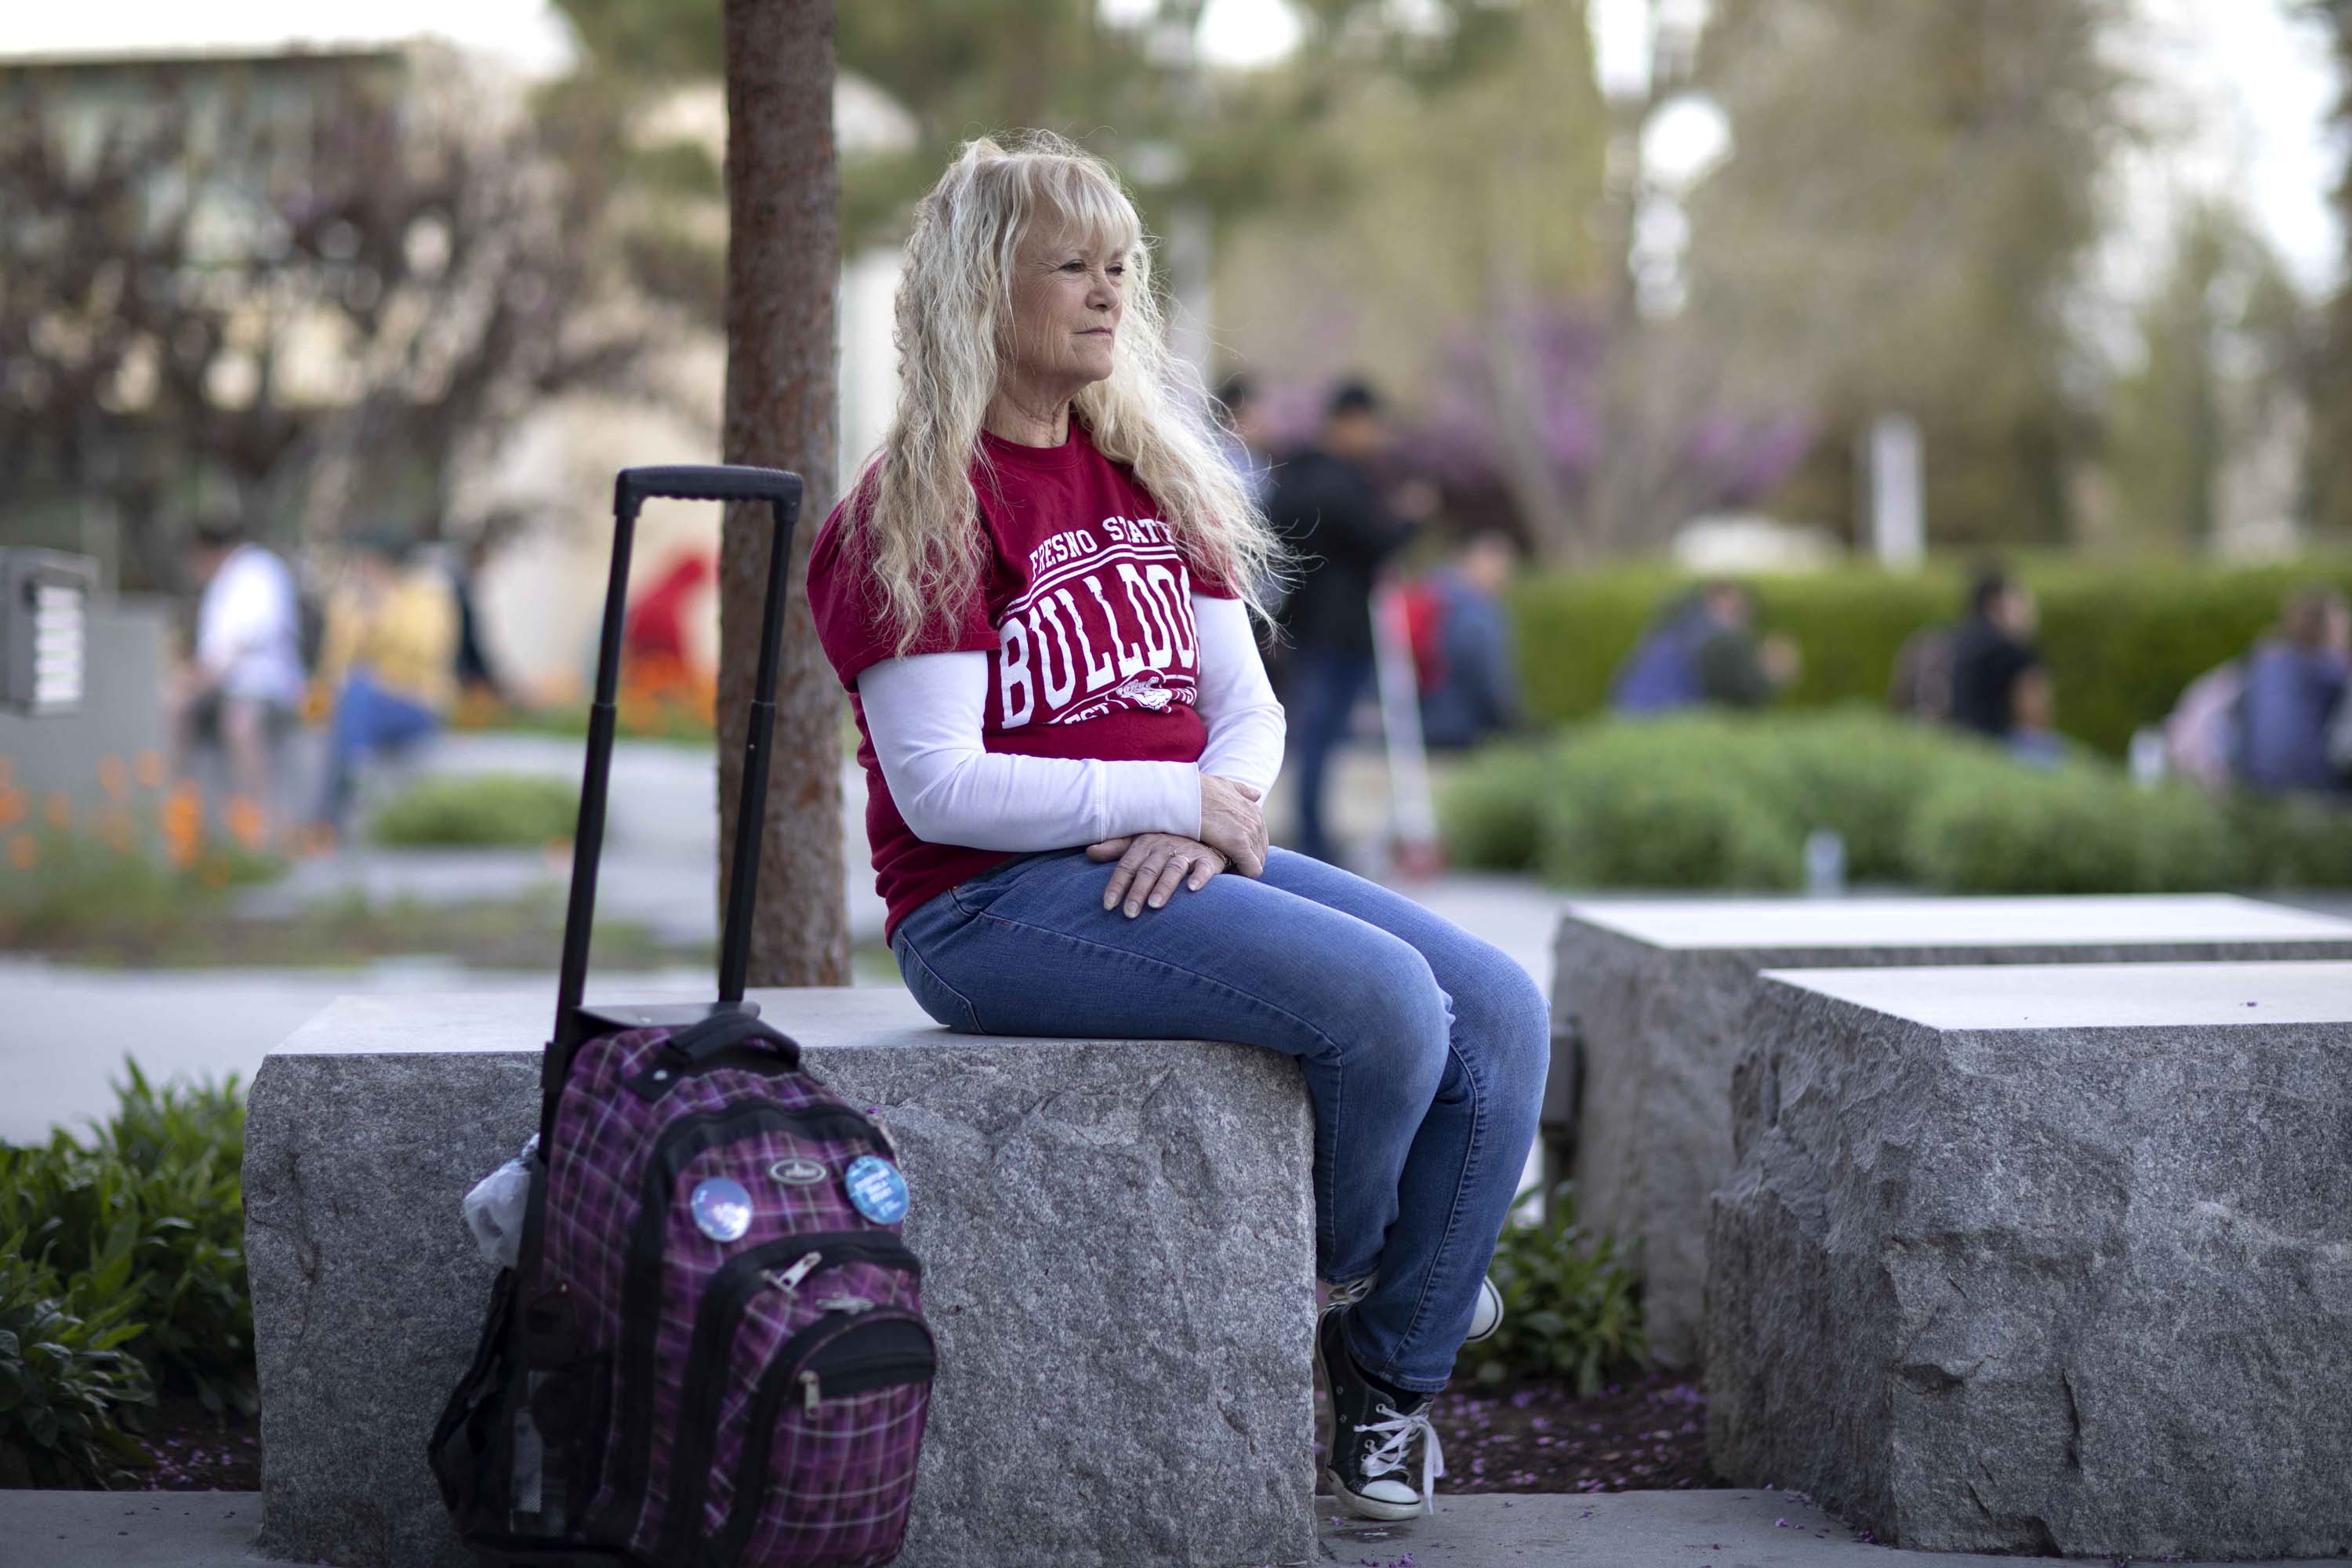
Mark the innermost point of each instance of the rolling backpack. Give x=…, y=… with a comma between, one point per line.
x=711, y=1349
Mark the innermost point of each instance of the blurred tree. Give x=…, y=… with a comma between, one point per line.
x=299, y=291
x=1132, y=90
x=2225, y=344
x=784, y=259
x=2331, y=445
x=1910, y=202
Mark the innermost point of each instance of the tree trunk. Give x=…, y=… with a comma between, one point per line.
x=783, y=265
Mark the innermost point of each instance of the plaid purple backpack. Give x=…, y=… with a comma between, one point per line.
x=711, y=1352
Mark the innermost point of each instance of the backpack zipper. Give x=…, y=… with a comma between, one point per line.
x=718, y=1323
x=913, y=1358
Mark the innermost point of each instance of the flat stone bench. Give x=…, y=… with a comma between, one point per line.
x=1651, y=1003
x=2052, y=1259
x=1118, y=1254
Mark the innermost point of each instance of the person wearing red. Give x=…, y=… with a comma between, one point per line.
x=1038, y=597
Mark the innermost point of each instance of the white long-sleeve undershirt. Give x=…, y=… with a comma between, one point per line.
x=924, y=714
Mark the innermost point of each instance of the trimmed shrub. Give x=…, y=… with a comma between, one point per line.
x=480, y=810
x=1715, y=801
x=1491, y=807
x=1634, y=809
x=2121, y=641
x=1993, y=829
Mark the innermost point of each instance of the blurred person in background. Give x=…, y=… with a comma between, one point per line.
x=1702, y=650
x=389, y=662
x=1461, y=636
x=2295, y=685
x=1328, y=507
x=477, y=676
x=1737, y=668
x=243, y=686
x=1921, y=685
x=1244, y=437
x=653, y=636
x=1993, y=654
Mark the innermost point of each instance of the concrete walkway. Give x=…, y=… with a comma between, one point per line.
x=1613, y=1530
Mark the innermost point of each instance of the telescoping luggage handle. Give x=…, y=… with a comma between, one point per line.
x=782, y=492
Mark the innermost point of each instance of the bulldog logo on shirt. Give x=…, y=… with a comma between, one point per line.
x=1145, y=690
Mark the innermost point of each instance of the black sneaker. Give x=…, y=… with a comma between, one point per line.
x=1367, y=1432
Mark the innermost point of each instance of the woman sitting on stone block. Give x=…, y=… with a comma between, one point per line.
x=1038, y=595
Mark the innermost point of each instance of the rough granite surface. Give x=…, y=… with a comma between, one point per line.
x=1118, y=1249
x=1644, y=1040
x=2072, y=1291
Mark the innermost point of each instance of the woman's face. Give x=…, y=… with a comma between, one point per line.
x=1068, y=293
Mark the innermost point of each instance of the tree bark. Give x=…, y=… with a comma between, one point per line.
x=784, y=267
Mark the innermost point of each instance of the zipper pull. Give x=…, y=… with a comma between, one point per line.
x=790, y=1279
x=808, y=1381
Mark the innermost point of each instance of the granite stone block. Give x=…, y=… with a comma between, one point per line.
x=1119, y=1249
x=2044, y=1260
x=1651, y=1000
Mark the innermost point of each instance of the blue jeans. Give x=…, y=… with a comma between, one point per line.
x=367, y=719
x=1321, y=689
x=1424, y=1048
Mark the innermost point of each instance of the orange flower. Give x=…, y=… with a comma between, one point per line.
x=12, y=807
x=24, y=852
x=58, y=809
x=121, y=834
x=184, y=824
x=149, y=770
x=113, y=775
x=245, y=822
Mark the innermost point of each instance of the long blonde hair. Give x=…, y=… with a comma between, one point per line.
x=913, y=516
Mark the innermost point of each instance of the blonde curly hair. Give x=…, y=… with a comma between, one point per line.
x=912, y=518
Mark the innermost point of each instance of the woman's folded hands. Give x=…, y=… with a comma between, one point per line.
x=1152, y=865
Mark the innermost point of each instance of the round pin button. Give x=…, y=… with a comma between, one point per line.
x=721, y=1208
x=877, y=1189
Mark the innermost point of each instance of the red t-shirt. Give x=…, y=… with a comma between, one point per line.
x=1084, y=611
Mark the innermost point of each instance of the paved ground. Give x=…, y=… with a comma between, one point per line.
x=1617, y=1530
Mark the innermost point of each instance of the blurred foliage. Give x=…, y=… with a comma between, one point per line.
x=479, y=810
x=122, y=1274
x=1131, y=89
x=62, y=886
x=64, y=1375
x=2223, y=332
x=309, y=283
x=1717, y=800
x=1911, y=201
x=1570, y=1307
x=2121, y=641
x=149, y=1207
x=2331, y=445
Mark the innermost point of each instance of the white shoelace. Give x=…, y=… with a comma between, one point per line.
x=1353, y=1291
x=1387, y=1456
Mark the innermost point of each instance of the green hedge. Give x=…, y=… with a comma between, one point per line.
x=2121, y=641
x=1714, y=800
x=480, y=810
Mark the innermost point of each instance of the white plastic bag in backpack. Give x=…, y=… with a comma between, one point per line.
x=494, y=1209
